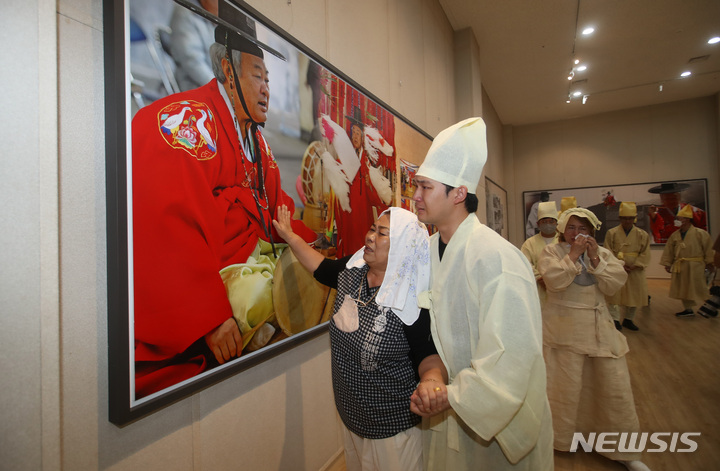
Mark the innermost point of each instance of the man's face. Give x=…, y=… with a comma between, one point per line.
x=432, y=204
x=357, y=137
x=547, y=226
x=670, y=200
x=255, y=86
x=627, y=222
x=685, y=223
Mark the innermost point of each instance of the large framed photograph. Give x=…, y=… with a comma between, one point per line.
x=657, y=204
x=199, y=159
x=496, y=201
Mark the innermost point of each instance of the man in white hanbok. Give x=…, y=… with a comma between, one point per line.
x=485, y=322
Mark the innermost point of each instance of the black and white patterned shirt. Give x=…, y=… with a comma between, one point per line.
x=374, y=368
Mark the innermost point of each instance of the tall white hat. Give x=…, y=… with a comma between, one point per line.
x=457, y=155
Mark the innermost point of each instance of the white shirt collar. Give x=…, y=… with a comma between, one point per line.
x=244, y=142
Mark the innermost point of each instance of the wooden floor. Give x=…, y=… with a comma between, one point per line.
x=676, y=383
x=674, y=369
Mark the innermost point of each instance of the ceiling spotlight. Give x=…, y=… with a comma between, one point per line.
x=687, y=73
x=585, y=97
x=571, y=75
x=577, y=61
x=581, y=68
x=588, y=31
x=660, y=87
x=567, y=101
x=714, y=40
x=577, y=94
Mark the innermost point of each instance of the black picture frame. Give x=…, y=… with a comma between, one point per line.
x=604, y=201
x=123, y=409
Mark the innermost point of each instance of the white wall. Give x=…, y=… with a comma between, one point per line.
x=29, y=305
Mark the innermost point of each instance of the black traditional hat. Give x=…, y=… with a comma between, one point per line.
x=246, y=42
x=234, y=29
x=672, y=187
x=356, y=118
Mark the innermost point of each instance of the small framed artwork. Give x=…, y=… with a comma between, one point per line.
x=496, y=200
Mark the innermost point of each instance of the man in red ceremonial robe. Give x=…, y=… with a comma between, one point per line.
x=205, y=191
x=363, y=197
x=662, y=219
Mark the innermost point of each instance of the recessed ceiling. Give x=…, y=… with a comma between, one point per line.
x=527, y=48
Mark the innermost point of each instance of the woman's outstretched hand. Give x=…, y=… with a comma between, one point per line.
x=282, y=222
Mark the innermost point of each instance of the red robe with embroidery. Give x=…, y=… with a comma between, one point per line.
x=193, y=214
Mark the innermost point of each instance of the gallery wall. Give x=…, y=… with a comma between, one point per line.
x=673, y=141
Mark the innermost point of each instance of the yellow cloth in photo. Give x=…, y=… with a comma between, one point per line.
x=249, y=289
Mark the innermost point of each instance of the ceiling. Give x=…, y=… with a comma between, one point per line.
x=527, y=49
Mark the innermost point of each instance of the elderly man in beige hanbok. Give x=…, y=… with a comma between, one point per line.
x=631, y=245
x=687, y=253
x=533, y=247
x=485, y=322
x=588, y=379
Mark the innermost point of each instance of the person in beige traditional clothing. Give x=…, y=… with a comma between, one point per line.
x=587, y=374
x=533, y=247
x=687, y=253
x=631, y=245
x=485, y=323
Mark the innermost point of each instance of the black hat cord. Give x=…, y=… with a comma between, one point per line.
x=254, y=148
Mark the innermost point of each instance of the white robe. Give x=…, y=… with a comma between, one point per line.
x=588, y=380
x=487, y=328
